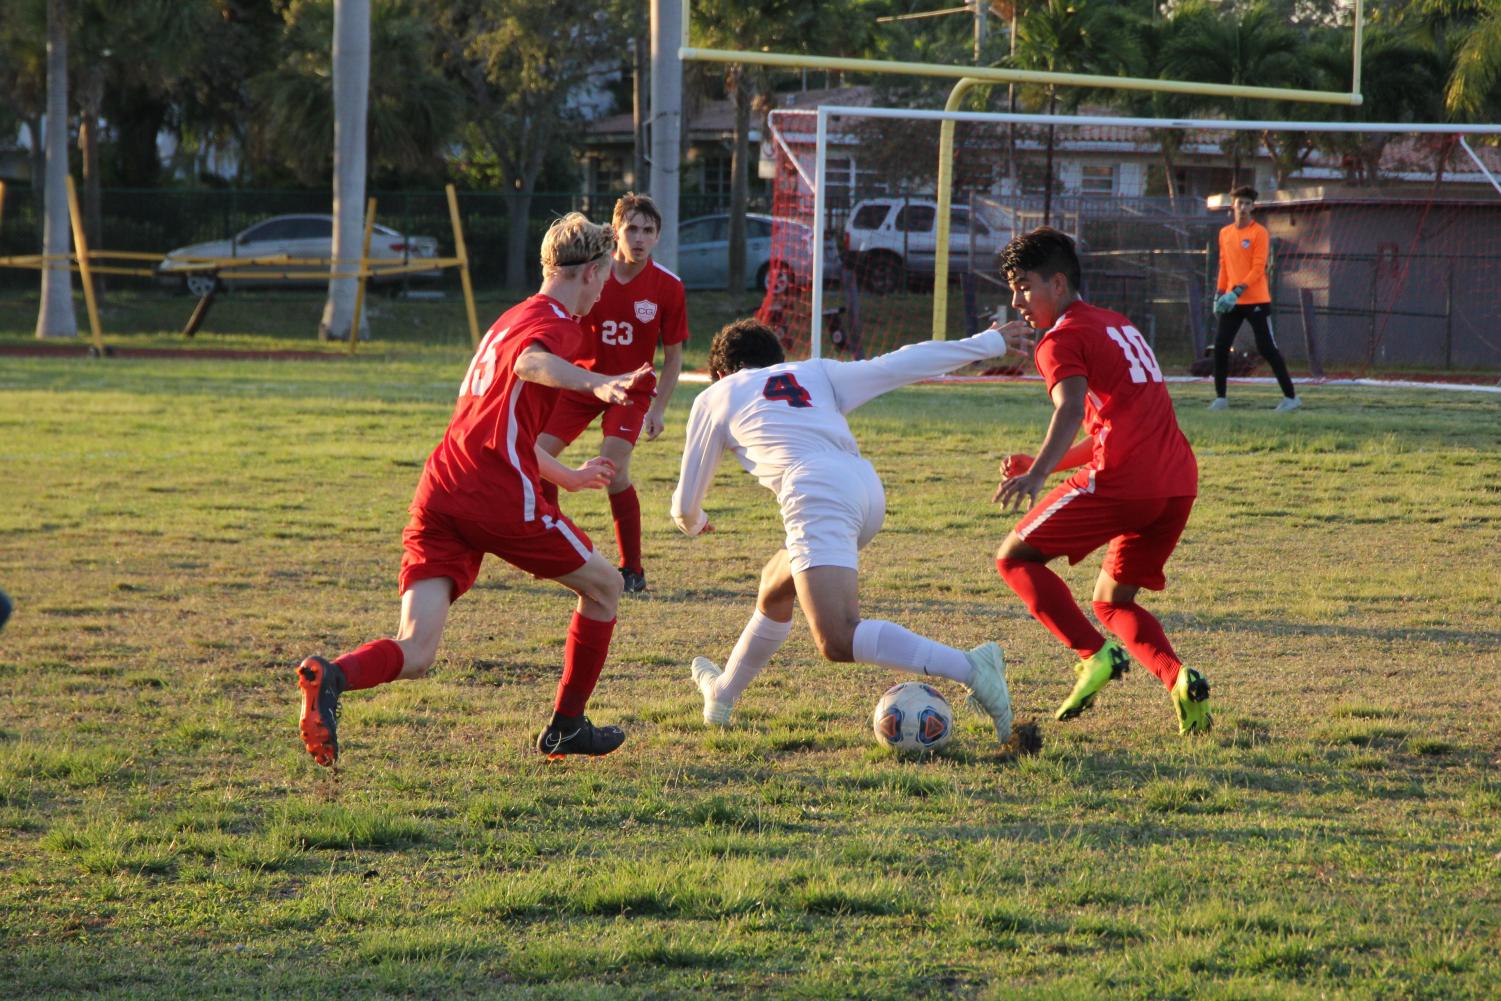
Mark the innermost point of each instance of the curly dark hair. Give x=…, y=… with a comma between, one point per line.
x=1245, y=191
x=744, y=344
x=1046, y=251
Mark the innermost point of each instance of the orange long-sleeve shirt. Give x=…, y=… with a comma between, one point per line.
x=1243, y=254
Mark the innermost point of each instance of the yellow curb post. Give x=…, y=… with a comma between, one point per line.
x=463, y=255
x=81, y=251
x=359, y=295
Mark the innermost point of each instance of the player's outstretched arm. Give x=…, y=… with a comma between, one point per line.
x=539, y=365
x=859, y=382
x=704, y=446
x=618, y=388
x=595, y=474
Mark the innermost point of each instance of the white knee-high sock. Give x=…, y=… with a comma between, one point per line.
x=888, y=644
x=761, y=638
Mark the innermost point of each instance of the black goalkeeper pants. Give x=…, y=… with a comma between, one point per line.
x=1260, y=318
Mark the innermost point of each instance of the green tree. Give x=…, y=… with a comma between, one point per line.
x=1072, y=36
x=1402, y=80
x=828, y=27
x=519, y=65
x=23, y=81
x=1247, y=46
x=413, y=112
x=1473, y=92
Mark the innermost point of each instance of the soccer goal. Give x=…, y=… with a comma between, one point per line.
x=1386, y=239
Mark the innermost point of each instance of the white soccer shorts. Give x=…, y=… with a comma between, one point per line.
x=831, y=507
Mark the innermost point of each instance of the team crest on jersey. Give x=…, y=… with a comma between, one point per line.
x=646, y=310
x=1244, y=245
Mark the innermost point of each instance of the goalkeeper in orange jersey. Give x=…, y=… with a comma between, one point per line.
x=1242, y=296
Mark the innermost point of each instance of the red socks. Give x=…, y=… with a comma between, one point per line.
x=583, y=658
x=1048, y=599
x=1142, y=634
x=373, y=664
x=625, y=508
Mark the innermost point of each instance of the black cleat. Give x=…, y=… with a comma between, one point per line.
x=635, y=580
x=576, y=735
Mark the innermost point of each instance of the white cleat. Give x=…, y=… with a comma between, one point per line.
x=1289, y=403
x=1219, y=403
x=705, y=672
x=988, y=694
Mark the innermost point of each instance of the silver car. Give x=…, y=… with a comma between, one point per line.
x=704, y=252
x=298, y=237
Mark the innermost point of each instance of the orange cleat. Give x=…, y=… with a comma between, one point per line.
x=322, y=683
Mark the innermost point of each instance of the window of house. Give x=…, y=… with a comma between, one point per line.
x=1097, y=179
x=717, y=176
x=609, y=176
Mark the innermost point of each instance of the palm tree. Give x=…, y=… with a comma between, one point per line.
x=351, y=63
x=1252, y=46
x=55, y=318
x=1402, y=81
x=1473, y=92
x=1072, y=36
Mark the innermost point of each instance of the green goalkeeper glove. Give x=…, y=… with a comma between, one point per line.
x=1226, y=302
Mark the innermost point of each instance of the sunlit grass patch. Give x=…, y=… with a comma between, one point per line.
x=335, y=825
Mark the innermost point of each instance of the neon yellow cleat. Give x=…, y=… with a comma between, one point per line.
x=1191, y=701
x=1108, y=663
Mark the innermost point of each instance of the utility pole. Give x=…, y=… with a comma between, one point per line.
x=981, y=26
x=640, y=55
x=666, y=121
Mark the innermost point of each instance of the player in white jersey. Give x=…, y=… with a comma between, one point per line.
x=785, y=423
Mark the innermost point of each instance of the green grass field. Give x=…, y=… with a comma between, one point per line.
x=177, y=534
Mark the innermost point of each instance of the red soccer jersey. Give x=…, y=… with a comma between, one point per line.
x=485, y=468
x=622, y=330
x=1139, y=450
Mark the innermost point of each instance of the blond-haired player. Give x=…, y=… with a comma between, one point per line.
x=481, y=492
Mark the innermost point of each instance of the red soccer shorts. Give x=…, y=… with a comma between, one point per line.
x=574, y=412
x=440, y=545
x=1142, y=532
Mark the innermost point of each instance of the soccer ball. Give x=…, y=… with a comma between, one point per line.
x=913, y=717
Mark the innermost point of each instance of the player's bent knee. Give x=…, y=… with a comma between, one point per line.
x=417, y=658
x=838, y=647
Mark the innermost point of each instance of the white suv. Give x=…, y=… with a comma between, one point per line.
x=886, y=239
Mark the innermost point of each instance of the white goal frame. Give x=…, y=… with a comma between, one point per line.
x=818, y=181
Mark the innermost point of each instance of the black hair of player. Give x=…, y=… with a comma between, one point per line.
x=744, y=344
x=1046, y=251
x=1245, y=191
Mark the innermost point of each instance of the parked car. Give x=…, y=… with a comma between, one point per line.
x=704, y=251
x=887, y=239
x=301, y=237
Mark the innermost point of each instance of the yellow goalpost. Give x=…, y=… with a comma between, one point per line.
x=967, y=77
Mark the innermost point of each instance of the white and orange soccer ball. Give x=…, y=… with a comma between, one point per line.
x=913, y=717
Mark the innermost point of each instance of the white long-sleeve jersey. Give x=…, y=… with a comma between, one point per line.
x=780, y=417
